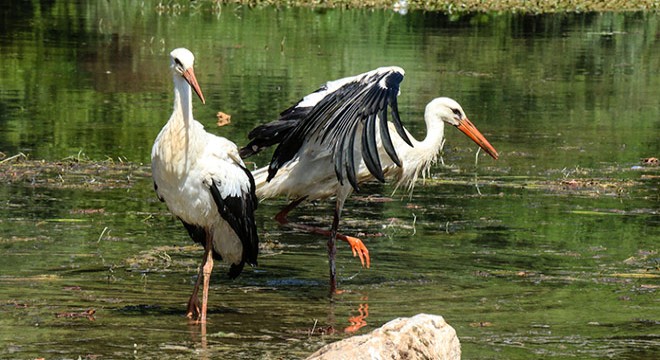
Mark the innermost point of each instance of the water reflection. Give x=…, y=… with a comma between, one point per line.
x=555, y=269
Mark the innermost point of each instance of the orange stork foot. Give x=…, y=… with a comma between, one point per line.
x=358, y=248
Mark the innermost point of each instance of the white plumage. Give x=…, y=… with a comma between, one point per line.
x=204, y=183
x=338, y=137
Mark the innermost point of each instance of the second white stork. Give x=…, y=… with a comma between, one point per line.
x=205, y=184
x=338, y=137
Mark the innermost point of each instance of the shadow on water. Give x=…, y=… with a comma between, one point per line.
x=552, y=251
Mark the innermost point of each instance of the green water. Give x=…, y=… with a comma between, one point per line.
x=519, y=260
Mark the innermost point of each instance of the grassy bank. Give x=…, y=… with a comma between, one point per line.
x=523, y=6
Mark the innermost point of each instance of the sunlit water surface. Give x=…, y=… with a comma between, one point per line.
x=549, y=252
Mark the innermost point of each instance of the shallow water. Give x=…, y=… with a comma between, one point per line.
x=550, y=251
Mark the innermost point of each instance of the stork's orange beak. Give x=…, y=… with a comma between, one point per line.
x=467, y=128
x=189, y=75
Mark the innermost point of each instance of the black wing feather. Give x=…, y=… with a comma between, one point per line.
x=350, y=164
x=391, y=83
x=336, y=116
x=198, y=234
x=267, y=135
x=238, y=211
x=370, y=150
x=387, y=140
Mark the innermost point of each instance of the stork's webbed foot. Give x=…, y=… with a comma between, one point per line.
x=358, y=248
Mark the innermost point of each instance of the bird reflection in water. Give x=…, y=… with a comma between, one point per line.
x=360, y=320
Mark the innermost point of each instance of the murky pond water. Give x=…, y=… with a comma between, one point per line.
x=549, y=252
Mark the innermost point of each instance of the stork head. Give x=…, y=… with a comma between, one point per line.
x=451, y=112
x=181, y=63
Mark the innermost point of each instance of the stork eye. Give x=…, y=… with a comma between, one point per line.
x=456, y=112
x=178, y=62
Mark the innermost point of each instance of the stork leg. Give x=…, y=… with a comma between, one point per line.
x=204, y=275
x=281, y=216
x=207, y=268
x=193, y=303
x=332, y=246
x=357, y=246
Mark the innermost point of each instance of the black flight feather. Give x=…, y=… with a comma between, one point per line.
x=397, y=119
x=336, y=116
x=350, y=164
x=370, y=150
x=267, y=135
x=387, y=140
x=238, y=212
x=198, y=234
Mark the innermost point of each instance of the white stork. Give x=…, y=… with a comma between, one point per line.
x=338, y=137
x=205, y=184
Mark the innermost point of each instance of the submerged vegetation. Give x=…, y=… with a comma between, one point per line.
x=81, y=173
x=70, y=173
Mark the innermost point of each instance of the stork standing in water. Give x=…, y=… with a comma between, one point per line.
x=338, y=137
x=205, y=184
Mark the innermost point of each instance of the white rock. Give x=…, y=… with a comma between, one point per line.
x=422, y=336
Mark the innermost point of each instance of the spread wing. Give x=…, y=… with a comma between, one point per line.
x=333, y=117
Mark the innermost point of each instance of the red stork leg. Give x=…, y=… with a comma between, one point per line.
x=207, y=268
x=332, y=247
x=357, y=246
x=193, y=303
x=204, y=275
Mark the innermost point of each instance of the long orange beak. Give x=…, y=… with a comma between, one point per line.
x=467, y=128
x=189, y=75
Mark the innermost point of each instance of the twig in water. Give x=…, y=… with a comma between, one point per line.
x=20, y=154
x=476, y=157
x=313, y=327
x=352, y=276
x=101, y=236
x=476, y=185
x=413, y=225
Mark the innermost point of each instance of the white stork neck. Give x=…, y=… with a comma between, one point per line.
x=419, y=158
x=182, y=100
x=181, y=130
x=435, y=132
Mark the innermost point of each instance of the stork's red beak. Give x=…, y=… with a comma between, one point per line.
x=466, y=126
x=189, y=75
